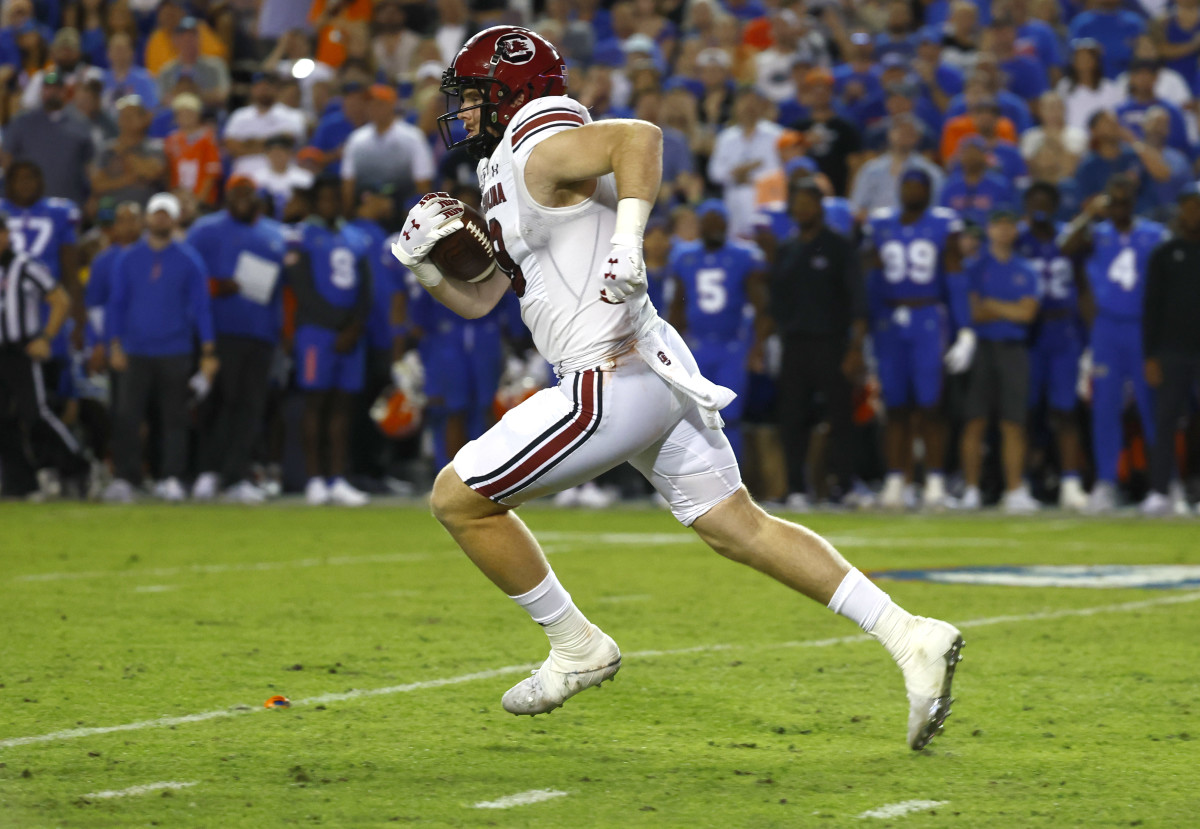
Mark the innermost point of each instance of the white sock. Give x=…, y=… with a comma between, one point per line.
x=859, y=600
x=550, y=605
x=546, y=603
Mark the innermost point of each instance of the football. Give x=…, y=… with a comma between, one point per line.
x=466, y=254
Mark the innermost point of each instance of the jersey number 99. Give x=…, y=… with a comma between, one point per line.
x=917, y=260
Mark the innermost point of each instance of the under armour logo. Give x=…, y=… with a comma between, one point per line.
x=406, y=235
x=608, y=274
x=664, y=359
x=604, y=298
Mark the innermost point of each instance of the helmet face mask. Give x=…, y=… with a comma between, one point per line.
x=508, y=66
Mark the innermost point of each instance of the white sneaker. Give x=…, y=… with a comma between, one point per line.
x=556, y=681
x=170, y=491
x=970, y=500
x=860, y=497
x=1020, y=502
x=568, y=498
x=49, y=485
x=1179, y=501
x=1103, y=498
x=205, y=487
x=797, y=502
x=930, y=652
x=244, y=492
x=118, y=491
x=892, y=496
x=1071, y=495
x=591, y=496
x=1157, y=505
x=344, y=495
x=934, y=495
x=316, y=493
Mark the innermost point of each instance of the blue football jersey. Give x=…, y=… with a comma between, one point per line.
x=333, y=255
x=714, y=284
x=1116, y=268
x=910, y=254
x=41, y=229
x=1055, y=271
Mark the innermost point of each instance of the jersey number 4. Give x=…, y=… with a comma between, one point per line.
x=1123, y=269
x=917, y=260
x=506, y=263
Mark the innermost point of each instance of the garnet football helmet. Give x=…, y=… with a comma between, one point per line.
x=509, y=66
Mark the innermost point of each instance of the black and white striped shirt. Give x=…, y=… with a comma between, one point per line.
x=24, y=281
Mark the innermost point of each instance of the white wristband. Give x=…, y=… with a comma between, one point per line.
x=427, y=274
x=632, y=215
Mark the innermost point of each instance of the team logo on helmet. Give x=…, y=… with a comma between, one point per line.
x=515, y=48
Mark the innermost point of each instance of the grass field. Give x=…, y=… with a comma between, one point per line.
x=137, y=646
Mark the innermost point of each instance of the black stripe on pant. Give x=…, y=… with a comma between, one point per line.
x=45, y=441
x=165, y=381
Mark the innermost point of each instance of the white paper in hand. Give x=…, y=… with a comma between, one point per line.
x=256, y=277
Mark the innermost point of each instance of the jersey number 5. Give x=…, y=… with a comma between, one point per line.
x=505, y=261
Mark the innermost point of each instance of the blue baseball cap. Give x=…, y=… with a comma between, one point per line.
x=712, y=206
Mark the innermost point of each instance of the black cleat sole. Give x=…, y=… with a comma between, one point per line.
x=942, y=704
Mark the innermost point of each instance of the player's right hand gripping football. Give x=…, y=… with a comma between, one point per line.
x=624, y=272
x=432, y=219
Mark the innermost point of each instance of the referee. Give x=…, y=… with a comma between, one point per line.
x=24, y=345
x=1171, y=338
x=818, y=306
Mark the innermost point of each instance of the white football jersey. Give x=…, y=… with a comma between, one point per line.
x=554, y=256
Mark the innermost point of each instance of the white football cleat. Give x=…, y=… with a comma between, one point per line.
x=1104, y=498
x=892, y=495
x=1071, y=495
x=1157, y=505
x=1020, y=502
x=557, y=681
x=344, y=495
x=317, y=492
x=205, y=487
x=591, y=496
x=244, y=492
x=118, y=491
x=932, y=651
x=970, y=500
x=170, y=491
x=934, y=495
x=797, y=502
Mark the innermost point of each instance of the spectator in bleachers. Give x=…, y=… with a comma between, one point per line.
x=973, y=188
x=1143, y=75
x=282, y=176
x=901, y=98
x=1054, y=130
x=393, y=44
x=209, y=72
x=161, y=47
x=679, y=167
x=341, y=27
x=158, y=308
x=1085, y=90
x=88, y=18
x=243, y=257
x=940, y=81
x=1114, y=28
x=193, y=158
x=386, y=150
x=66, y=59
x=877, y=184
x=1177, y=35
x=960, y=35
x=124, y=77
x=1033, y=33
x=716, y=100
x=1005, y=292
x=335, y=125
x=744, y=150
x=57, y=140
x=1027, y=77
x=131, y=167
x=329, y=276
x=1156, y=130
x=981, y=108
x=454, y=27
x=89, y=103
x=1169, y=85
x=1115, y=150
x=248, y=128
x=832, y=140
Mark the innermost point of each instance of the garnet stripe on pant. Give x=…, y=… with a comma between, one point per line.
x=559, y=445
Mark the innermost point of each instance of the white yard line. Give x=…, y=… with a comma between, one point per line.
x=132, y=790
x=330, y=561
x=520, y=799
x=903, y=808
x=168, y=722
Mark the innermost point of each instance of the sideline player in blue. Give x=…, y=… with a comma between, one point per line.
x=914, y=276
x=126, y=229
x=239, y=244
x=46, y=229
x=1118, y=253
x=715, y=281
x=327, y=269
x=1058, y=341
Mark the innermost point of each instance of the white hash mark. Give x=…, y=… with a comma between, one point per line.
x=521, y=799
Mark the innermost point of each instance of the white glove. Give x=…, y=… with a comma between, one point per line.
x=1083, y=385
x=624, y=271
x=408, y=375
x=432, y=219
x=958, y=357
x=200, y=385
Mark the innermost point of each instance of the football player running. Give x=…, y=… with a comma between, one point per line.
x=567, y=201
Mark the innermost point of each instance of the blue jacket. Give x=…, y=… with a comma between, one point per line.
x=158, y=301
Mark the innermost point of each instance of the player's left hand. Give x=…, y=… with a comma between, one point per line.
x=38, y=349
x=958, y=358
x=624, y=272
x=433, y=218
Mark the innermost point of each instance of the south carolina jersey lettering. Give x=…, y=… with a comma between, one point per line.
x=554, y=256
x=1116, y=268
x=911, y=255
x=714, y=284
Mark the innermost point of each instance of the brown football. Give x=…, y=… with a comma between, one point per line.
x=466, y=254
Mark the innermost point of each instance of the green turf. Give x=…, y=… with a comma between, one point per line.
x=721, y=716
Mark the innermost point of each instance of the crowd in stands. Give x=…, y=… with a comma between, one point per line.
x=214, y=183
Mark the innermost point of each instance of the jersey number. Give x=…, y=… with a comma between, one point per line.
x=506, y=263
x=1057, y=277
x=1123, y=269
x=31, y=234
x=918, y=261
x=341, y=266
x=711, y=295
